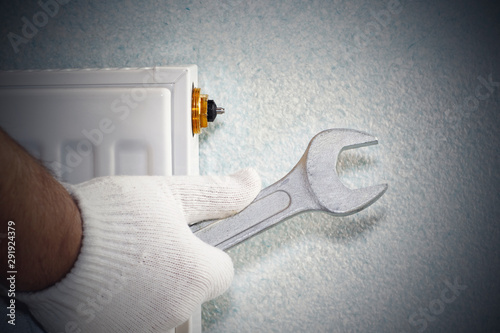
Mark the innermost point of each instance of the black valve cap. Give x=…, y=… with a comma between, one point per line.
x=211, y=110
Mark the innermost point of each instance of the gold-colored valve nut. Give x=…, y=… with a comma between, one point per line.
x=199, y=110
x=202, y=110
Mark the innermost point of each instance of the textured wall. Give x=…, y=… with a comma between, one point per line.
x=423, y=76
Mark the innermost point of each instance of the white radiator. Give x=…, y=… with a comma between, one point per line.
x=96, y=122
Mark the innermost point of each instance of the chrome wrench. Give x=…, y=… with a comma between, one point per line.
x=312, y=185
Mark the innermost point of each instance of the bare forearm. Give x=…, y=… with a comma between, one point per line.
x=48, y=227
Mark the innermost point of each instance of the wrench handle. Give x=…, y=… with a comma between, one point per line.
x=277, y=202
x=233, y=230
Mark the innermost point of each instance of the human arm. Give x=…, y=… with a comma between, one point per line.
x=48, y=227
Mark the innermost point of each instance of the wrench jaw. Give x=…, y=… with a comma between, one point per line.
x=322, y=155
x=353, y=201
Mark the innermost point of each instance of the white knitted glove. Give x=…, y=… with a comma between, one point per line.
x=140, y=268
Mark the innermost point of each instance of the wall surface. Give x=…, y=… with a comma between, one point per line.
x=422, y=76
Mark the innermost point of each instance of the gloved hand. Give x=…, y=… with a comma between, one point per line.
x=140, y=268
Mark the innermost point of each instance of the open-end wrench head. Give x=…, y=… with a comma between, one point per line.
x=321, y=161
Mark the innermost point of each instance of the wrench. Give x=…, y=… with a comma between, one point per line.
x=311, y=185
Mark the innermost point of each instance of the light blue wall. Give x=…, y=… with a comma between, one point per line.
x=409, y=72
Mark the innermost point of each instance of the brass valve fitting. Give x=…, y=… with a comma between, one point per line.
x=203, y=110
